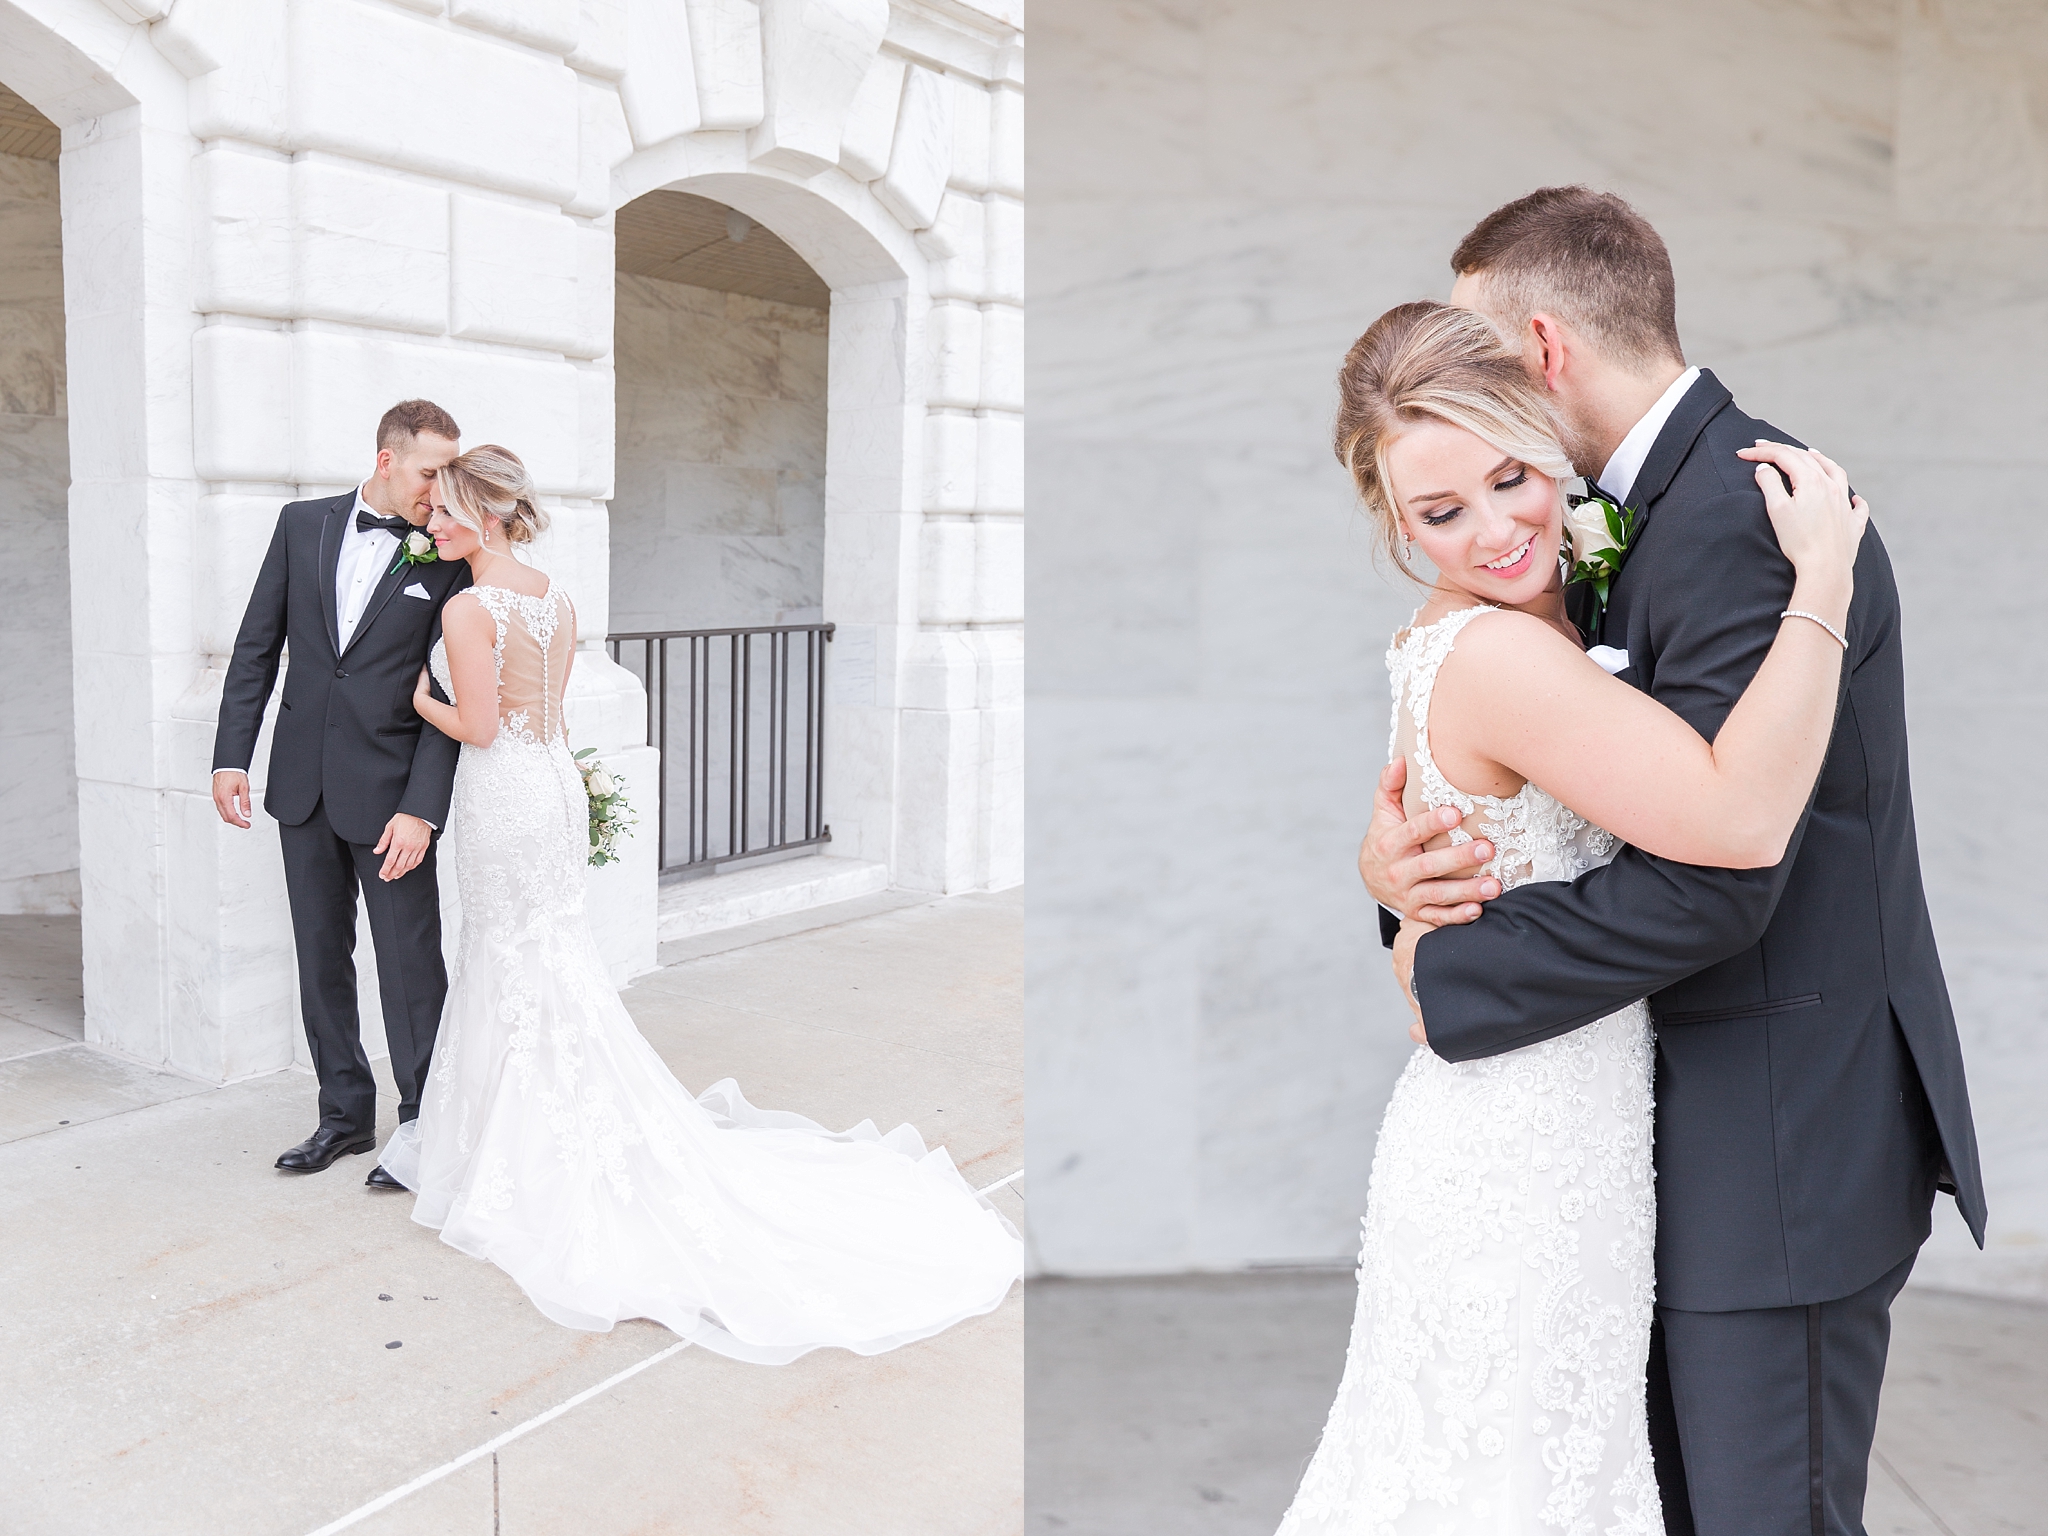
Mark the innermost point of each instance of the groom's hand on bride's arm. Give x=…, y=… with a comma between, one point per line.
x=403, y=845
x=1433, y=886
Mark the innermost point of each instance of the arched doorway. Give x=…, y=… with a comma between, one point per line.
x=718, y=527
x=39, y=808
x=40, y=1003
x=844, y=319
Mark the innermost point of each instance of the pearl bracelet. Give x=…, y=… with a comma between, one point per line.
x=1801, y=613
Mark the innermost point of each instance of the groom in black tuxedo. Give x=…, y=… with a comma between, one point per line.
x=359, y=784
x=1810, y=1094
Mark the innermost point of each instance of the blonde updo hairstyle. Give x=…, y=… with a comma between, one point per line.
x=1433, y=362
x=492, y=480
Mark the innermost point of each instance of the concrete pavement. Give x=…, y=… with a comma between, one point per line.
x=1189, y=1405
x=191, y=1341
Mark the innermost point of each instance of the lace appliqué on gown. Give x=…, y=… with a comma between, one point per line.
x=554, y=1142
x=1495, y=1377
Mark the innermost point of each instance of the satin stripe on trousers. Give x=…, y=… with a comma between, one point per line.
x=1774, y=1411
x=323, y=873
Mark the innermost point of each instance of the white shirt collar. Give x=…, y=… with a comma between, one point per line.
x=1618, y=479
x=362, y=506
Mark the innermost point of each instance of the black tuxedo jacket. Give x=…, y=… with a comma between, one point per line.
x=1810, y=1089
x=346, y=729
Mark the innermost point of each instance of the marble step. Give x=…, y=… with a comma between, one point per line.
x=691, y=907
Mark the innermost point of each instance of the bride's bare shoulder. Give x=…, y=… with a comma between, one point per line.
x=464, y=615
x=1511, y=649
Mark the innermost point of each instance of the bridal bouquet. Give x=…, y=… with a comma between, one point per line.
x=610, y=814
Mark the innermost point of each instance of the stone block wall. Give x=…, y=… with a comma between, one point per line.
x=281, y=218
x=1853, y=198
x=38, y=793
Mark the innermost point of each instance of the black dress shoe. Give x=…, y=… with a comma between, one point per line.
x=379, y=1179
x=322, y=1148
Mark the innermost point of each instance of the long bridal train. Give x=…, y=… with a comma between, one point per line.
x=555, y=1143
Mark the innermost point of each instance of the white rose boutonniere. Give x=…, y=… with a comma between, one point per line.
x=416, y=548
x=1596, y=541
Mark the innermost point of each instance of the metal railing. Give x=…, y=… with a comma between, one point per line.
x=736, y=768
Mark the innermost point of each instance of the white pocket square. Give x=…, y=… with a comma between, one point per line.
x=416, y=590
x=1608, y=658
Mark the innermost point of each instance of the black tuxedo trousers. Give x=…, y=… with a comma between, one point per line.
x=349, y=752
x=1810, y=1092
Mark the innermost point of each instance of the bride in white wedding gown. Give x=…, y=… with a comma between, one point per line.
x=1495, y=1378
x=551, y=1139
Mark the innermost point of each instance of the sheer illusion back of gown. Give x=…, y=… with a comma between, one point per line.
x=555, y=1143
x=1495, y=1377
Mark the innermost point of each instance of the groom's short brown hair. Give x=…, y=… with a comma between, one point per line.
x=1585, y=257
x=409, y=418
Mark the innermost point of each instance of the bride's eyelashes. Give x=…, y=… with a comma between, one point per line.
x=1438, y=519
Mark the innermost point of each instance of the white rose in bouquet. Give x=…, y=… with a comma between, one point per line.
x=601, y=784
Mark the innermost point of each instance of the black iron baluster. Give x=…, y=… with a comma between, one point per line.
x=778, y=760
x=746, y=740
x=818, y=830
x=658, y=734
x=696, y=755
x=768, y=817
x=810, y=736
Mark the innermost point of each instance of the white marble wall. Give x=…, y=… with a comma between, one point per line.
x=278, y=220
x=38, y=789
x=1854, y=198
x=718, y=512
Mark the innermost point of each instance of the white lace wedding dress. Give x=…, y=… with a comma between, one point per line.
x=554, y=1142
x=1495, y=1378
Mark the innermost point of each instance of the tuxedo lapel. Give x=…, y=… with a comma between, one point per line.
x=1700, y=405
x=332, y=526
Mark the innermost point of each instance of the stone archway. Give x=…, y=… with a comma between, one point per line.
x=871, y=512
x=127, y=424
x=38, y=792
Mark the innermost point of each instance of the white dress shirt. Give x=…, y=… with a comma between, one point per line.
x=364, y=558
x=1619, y=477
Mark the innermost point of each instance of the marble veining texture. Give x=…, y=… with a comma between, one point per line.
x=718, y=515
x=38, y=792
x=1225, y=195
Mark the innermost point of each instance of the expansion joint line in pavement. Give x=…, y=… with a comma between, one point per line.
x=492, y=1447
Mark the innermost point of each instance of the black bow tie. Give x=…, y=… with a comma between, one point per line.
x=366, y=522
